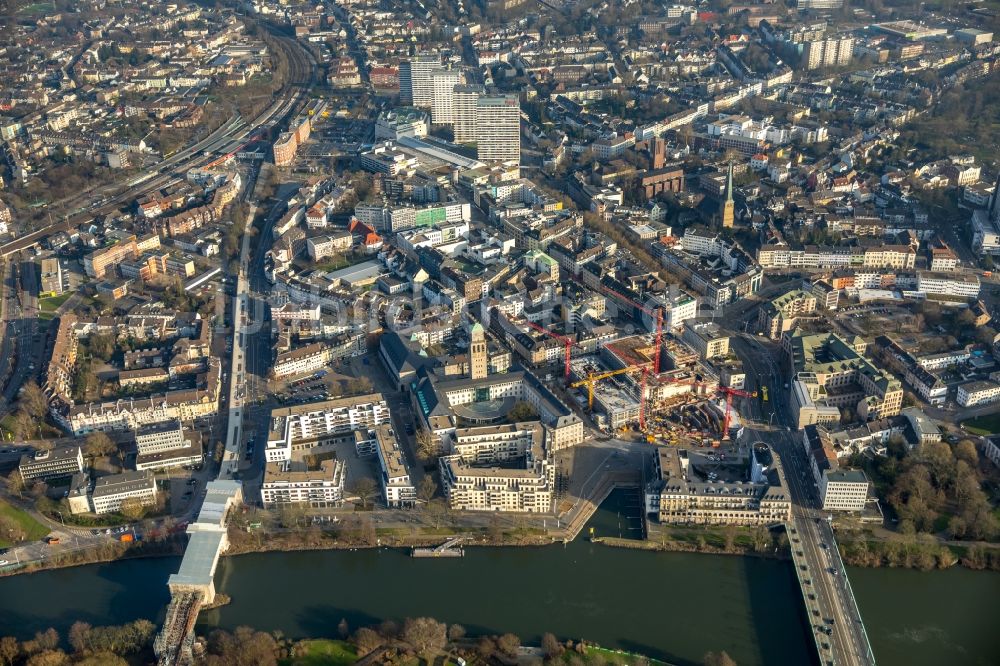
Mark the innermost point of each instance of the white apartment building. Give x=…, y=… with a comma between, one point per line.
x=321, y=247
x=416, y=85
x=470, y=488
x=304, y=426
x=465, y=99
x=299, y=361
x=296, y=312
x=397, y=488
x=827, y=53
x=159, y=437
x=290, y=483
x=706, y=338
x=844, y=490
x=498, y=128
x=489, y=444
x=111, y=491
x=943, y=259
x=948, y=284
x=971, y=394
x=443, y=83
x=985, y=236
x=60, y=461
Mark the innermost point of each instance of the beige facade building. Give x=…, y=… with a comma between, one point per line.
x=681, y=494
x=829, y=374
x=782, y=314
x=469, y=488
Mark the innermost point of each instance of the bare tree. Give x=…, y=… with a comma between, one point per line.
x=33, y=400
x=456, y=632
x=551, y=646
x=509, y=644
x=98, y=445
x=366, y=489
x=10, y=649
x=366, y=640
x=132, y=508
x=426, y=489
x=428, y=447
x=15, y=483
x=427, y=636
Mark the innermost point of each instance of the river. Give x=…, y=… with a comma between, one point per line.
x=674, y=606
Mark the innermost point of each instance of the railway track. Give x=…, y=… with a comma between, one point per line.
x=302, y=76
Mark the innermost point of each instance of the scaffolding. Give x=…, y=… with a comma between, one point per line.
x=173, y=645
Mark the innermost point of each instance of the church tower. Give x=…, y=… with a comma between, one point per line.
x=728, y=205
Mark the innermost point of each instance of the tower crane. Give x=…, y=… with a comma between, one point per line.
x=593, y=378
x=567, y=341
x=658, y=314
x=729, y=393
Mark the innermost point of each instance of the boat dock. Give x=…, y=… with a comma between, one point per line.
x=447, y=549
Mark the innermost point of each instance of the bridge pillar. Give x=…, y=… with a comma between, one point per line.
x=209, y=592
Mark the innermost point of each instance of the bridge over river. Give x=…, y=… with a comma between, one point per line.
x=194, y=584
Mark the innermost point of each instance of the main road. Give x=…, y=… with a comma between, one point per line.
x=834, y=618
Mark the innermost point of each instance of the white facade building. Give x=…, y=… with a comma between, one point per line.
x=111, y=491
x=844, y=490
x=971, y=394
x=498, y=128
x=288, y=483
x=397, y=487
x=443, y=106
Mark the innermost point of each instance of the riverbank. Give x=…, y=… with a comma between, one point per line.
x=111, y=551
x=681, y=547
x=612, y=596
x=856, y=549
x=919, y=555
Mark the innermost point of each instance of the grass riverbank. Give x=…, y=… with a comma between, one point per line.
x=12, y=518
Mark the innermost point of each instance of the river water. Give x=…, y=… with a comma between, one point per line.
x=674, y=606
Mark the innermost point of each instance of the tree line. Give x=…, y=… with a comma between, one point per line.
x=937, y=488
x=89, y=646
x=389, y=642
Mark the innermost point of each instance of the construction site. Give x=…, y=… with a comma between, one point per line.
x=622, y=390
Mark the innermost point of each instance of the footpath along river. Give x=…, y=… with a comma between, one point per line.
x=673, y=606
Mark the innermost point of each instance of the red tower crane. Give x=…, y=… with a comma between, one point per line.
x=658, y=313
x=729, y=393
x=568, y=342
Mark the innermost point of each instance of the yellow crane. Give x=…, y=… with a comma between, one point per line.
x=594, y=378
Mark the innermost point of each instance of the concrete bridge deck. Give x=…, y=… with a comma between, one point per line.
x=834, y=619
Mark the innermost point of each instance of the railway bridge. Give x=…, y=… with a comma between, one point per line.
x=194, y=583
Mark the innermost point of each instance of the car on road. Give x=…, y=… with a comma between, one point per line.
x=833, y=571
x=4, y=563
x=95, y=532
x=824, y=546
